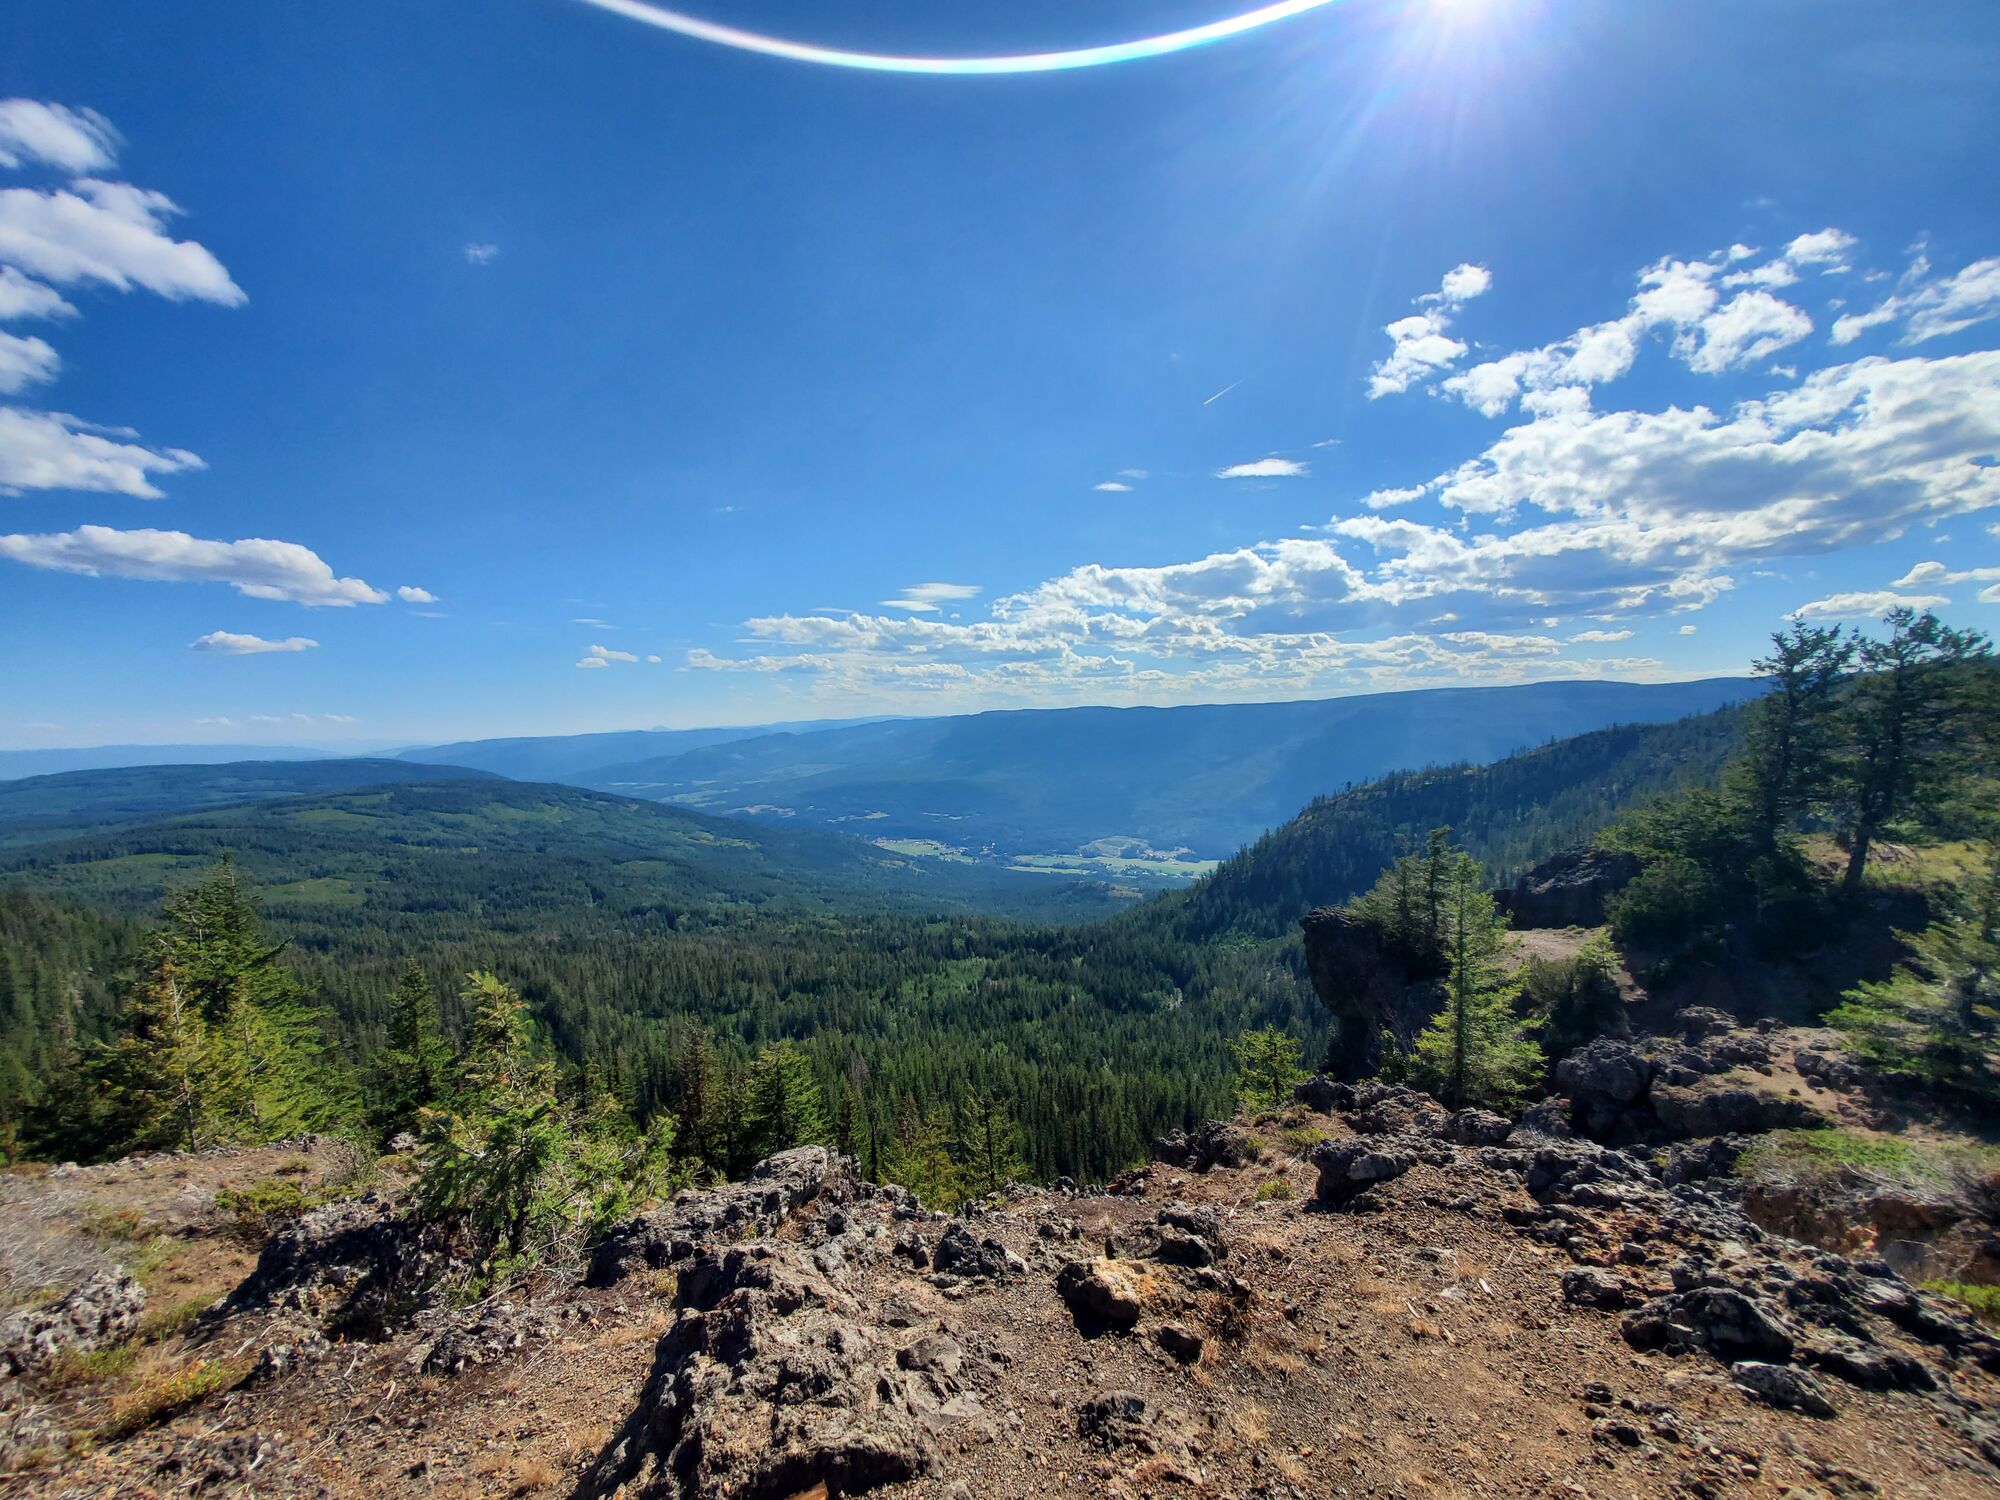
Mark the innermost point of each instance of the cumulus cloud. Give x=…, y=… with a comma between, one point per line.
x=1937, y=575
x=25, y=362
x=597, y=657
x=1866, y=604
x=110, y=233
x=1600, y=637
x=928, y=598
x=1265, y=468
x=24, y=297
x=48, y=450
x=1385, y=498
x=1933, y=307
x=411, y=595
x=1826, y=250
x=256, y=567
x=54, y=135
x=1112, y=487
x=1421, y=344
x=228, y=643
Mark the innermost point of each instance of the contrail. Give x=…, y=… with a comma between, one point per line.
x=1028, y=62
x=1223, y=392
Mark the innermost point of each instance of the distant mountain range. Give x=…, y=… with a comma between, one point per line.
x=573, y=757
x=17, y=763
x=1203, y=779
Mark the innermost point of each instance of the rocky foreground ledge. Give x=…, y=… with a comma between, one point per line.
x=1364, y=1295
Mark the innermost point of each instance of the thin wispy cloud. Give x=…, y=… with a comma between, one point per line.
x=595, y=658
x=229, y=643
x=1223, y=392
x=1265, y=468
x=1113, y=487
x=479, y=253
x=256, y=567
x=928, y=598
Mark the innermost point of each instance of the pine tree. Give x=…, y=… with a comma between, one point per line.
x=169, y=1079
x=1905, y=718
x=413, y=1069
x=786, y=1107
x=1937, y=1017
x=919, y=1158
x=992, y=1156
x=1267, y=1067
x=1476, y=1050
x=1788, y=755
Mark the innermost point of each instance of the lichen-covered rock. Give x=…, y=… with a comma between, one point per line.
x=959, y=1253
x=1604, y=1081
x=482, y=1336
x=1324, y=1094
x=777, y=1187
x=1350, y=1168
x=1708, y=1110
x=1782, y=1386
x=1106, y=1292
x=351, y=1265
x=1568, y=889
x=771, y=1382
x=1216, y=1144
x=102, y=1310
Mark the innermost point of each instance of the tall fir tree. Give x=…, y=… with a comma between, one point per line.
x=412, y=1072
x=786, y=1107
x=1476, y=1050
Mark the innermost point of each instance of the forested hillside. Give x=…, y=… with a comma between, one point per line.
x=661, y=951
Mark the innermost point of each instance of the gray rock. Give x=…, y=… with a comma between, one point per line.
x=1180, y=1341
x=1349, y=1168
x=1722, y=1320
x=1190, y=1236
x=483, y=1335
x=1568, y=889
x=957, y=1253
x=1587, y=1286
x=102, y=1310
x=1103, y=1292
x=1783, y=1386
x=1475, y=1127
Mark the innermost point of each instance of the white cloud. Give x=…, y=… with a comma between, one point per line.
x=925, y=598
x=1774, y=275
x=1421, y=343
x=411, y=595
x=1990, y=594
x=480, y=254
x=593, y=663
x=1385, y=498
x=1749, y=327
x=25, y=362
x=1112, y=487
x=71, y=140
x=653, y=661
x=1870, y=604
x=228, y=643
x=1265, y=468
x=1688, y=629
x=217, y=721
x=603, y=656
x=23, y=297
x=256, y=567
x=1601, y=637
x=1934, y=307
x=1826, y=249
x=1132, y=474
x=108, y=232
x=46, y=450
x=1937, y=575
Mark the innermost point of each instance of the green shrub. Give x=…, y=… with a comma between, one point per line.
x=1277, y=1190
x=166, y=1391
x=1983, y=1300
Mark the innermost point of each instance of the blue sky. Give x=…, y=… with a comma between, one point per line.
x=368, y=371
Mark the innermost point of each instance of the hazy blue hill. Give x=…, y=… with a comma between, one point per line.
x=1206, y=777
x=1510, y=814
x=16, y=763
x=504, y=853
x=39, y=808
x=573, y=757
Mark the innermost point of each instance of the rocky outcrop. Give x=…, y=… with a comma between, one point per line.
x=1568, y=889
x=776, y=1187
x=1366, y=987
x=1216, y=1144
x=773, y=1381
x=350, y=1266
x=102, y=1310
x=1349, y=1168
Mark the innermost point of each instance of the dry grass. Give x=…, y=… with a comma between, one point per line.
x=162, y=1390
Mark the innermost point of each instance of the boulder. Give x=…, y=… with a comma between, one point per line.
x=1586, y=1286
x=352, y=1266
x=1349, y=1168
x=1216, y=1144
x=483, y=1335
x=1722, y=1320
x=1708, y=1110
x=1365, y=986
x=1568, y=889
x=101, y=1310
x=958, y=1253
x=1474, y=1127
x=776, y=1188
x=1324, y=1094
x=1781, y=1386
x=1105, y=1292
x=1604, y=1082
x=1189, y=1236
x=1180, y=1341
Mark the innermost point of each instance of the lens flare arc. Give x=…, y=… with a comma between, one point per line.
x=660, y=16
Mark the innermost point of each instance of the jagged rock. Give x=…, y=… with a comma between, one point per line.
x=771, y=1382
x=1547, y=1119
x=1349, y=1168
x=1587, y=1286
x=1721, y=1320
x=1216, y=1144
x=1324, y=1094
x=1783, y=1386
x=1827, y=1070
x=242, y=1463
x=1568, y=889
x=1126, y=1419
x=1180, y=1341
x=1365, y=986
x=1698, y=1021
x=101, y=1310
x=1474, y=1127
x=1189, y=1236
x=777, y=1187
x=483, y=1336
x=1110, y=1292
x=1869, y=1366
x=351, y=1266
x=1698, y=1161
x=1603, y=1082
x=959, y=1254
x=1687, y=1112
